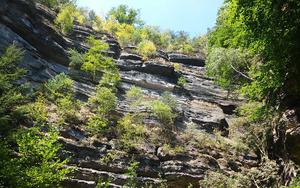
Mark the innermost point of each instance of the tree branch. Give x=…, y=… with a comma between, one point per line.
x=242, y=74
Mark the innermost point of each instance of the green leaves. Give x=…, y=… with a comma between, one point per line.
x=104, y=100
x=59, y=87
x=146, y=49
x=163, y=112
x=10, y=92
x=229, y=67
x=40, y=166
x=76, y=59
x=126, y=15
x=269, y=30
x=66, y=17
x=95, y=59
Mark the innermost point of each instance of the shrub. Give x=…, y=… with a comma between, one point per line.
x=95, y=59
x=10, y=92
x=55, y=3
x=104, y=100
x=219, y=180
x=67, y=108
x=201, y=44
x=132, y=175
x=66, y=17
x=295, y=182
x=37, y=164
x=135, y=96
x=146, y=48
x=59, y=87
x=110, y=79
x=103, y=183
x=125, y=33
x=131, y=130
x=163, y=112
x=228, y=67
x=186, y=49
x=181, y=81
x=37, y=111
x=48, y=3
x=169, y=100
x=167, y=148
x=76, y=59
x=111, y=25
x=177, y=66
x=97, y=124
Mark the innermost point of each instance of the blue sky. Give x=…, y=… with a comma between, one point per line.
x=192, y=16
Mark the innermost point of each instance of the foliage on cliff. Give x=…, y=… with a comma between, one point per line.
x=254, y=50
x=28, y=157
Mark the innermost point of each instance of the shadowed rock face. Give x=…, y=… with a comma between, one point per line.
x=200, y=101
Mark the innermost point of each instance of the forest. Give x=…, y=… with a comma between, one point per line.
x=252, y=53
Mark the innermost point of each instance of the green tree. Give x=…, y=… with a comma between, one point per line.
x=104, y=100
x=95, y=59
x=146, y=49
x=124, y=14
x=229, y=67
x=66, y=17
x=76, y=59
x=38, y=164
x=10, y=92
x=59, y=87
x=269, y=29
x=29, y=158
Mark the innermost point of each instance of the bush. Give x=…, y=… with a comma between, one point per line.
x=37, y=111
x=48, y=3
x=167, y=148
x=37, y=164
x=54, y=4
x=177, y=66
x=125, y=34
x=169, y=100
x=201, y=44
x=111, y=25
x=97, y=124
x=146, y=49
x=132, y=174
x=110, y=79
x=76, y=59
x=104, y=100
x=66, y=17
x=135, y=96
x=10, y=92
x=67, y=108
x=163, y=112
x=59, y=87
x=132, y=131
x=219, y=180
x=228, y=67
x=181, y=81
x=186, y=49
x=95, y=59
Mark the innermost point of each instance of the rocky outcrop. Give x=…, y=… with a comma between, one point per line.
x=200, y=101
x=185, y=59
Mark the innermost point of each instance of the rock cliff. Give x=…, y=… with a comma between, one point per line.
x=200, y=102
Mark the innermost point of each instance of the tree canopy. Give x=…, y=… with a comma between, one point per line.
x=270, y=31
x=126, y=15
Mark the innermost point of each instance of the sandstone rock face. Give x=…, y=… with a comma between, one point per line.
x=200, y=101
